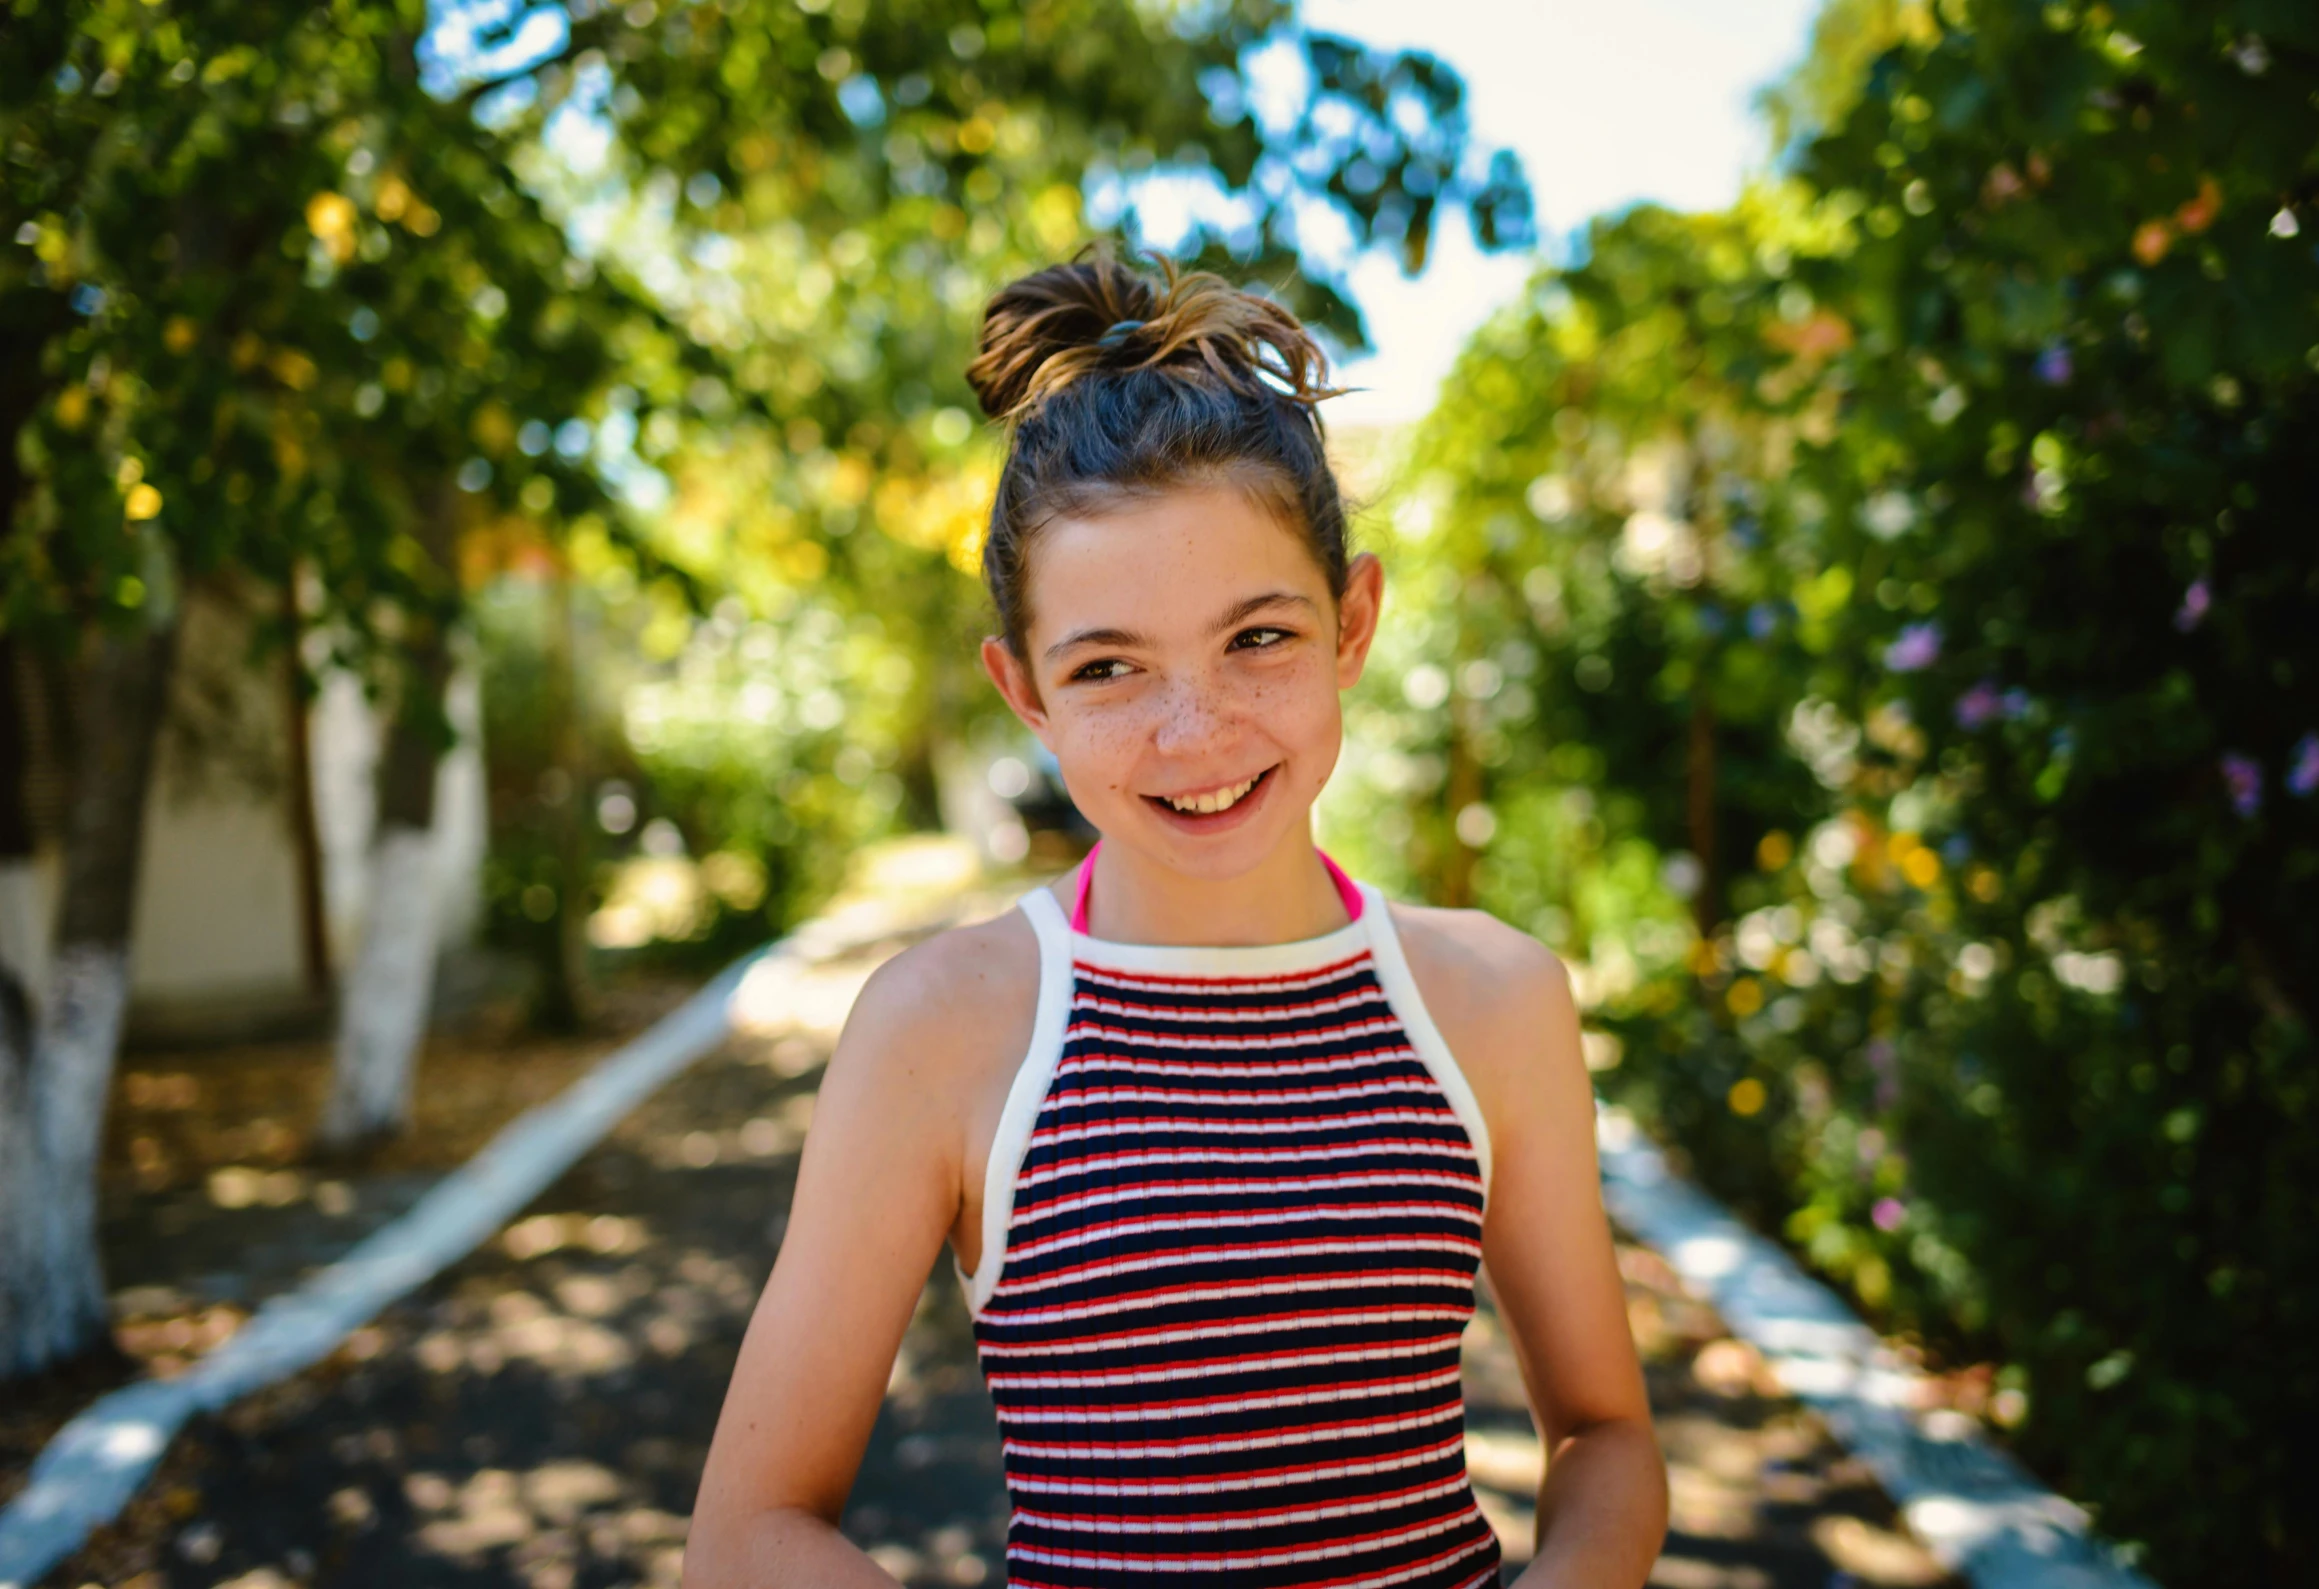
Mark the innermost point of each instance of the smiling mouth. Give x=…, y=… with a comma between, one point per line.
x=1214, y=800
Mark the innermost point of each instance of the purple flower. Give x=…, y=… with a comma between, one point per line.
x=1890, y=1213
x=1918, y=647
x=2243, y=777
x=2195, y=601
x=2054, y=367
x=2303, y=773
x=1979, y=705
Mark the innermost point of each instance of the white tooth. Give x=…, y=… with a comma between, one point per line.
x=1216, y=800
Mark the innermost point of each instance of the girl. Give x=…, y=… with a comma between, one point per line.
x=1218, y=1136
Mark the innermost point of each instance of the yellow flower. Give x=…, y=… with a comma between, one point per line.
x=144, y=502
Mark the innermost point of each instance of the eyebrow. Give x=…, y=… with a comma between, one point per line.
x=1130, y=637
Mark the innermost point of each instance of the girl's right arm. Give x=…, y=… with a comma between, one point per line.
x=877, y=1193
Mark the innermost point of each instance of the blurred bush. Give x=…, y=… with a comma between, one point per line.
x=1869, y=631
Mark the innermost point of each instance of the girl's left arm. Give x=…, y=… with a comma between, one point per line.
x=1546, y=1245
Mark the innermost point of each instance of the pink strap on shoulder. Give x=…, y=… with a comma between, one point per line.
x=1079, y=900
x=1347, y=890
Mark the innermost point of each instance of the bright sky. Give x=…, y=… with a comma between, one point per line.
x=1606, y=101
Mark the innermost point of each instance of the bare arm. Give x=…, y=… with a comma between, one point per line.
x=1602, y=1510
x=877, y=1191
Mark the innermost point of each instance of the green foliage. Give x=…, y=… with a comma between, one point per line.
x=1880, y=658
x=671, y=300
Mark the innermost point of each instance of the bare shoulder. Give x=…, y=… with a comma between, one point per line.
x=1501, y=999
x=943, y=1010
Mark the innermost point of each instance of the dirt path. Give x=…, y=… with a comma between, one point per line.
x=538, y=1415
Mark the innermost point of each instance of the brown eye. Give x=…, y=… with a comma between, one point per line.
x=1264, y=629
x=1089, y=673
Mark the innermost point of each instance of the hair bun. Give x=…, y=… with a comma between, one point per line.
x=1046, y=330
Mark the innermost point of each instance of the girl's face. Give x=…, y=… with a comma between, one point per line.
x=1183, y=664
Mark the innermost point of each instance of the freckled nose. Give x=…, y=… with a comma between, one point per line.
x=1192, y=713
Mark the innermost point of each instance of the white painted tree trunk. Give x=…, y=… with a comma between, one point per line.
x=19, y=1180
x=72, y=1076
x=54, y=1278
x=388, y=991
x=24, y=928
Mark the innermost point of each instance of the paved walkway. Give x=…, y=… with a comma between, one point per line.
x=539, y=1414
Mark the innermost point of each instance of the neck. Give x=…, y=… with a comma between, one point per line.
x=1289, y=895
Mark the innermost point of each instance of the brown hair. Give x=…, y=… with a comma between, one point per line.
x=1118, y=385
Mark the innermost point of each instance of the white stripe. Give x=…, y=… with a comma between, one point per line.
x=1192, y=1013
x=1245, y=1128
x=1138, y=1065
x=1318, y=1474
x=1061, y=1099
x=1250, y=1221
x=1249, y=1561
x=1139, y=1413
x=1273, y=1518
x=1145, y=1263
x=1232, y=1445
x=1343, y=966
x=1226, y=1188
x=1259, y=1288
x=1224, y=1329
x=1251, y=1040
x=1214, y=1367
x=1094, y=1162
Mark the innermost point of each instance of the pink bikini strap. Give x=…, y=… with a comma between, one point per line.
x=1347, y=889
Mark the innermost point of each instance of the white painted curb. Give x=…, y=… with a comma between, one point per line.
x=85, y=1475
x=1977, y=1510
x=1973, y=1506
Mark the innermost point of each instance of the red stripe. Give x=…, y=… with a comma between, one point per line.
x=1215, y=984
x=1239, y=1012
x=1261, y=1515
x=1286, y=1434
x=1344, y=1122
x=1153, y=1224
x=1245, y=1478
x=1279, y=1555
x=1158, y=1296
x=1081, y=1096
x=1310, y=1035
x=1346, y=1318
x=1418, y=1346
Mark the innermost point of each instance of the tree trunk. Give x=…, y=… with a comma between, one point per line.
x=305, y=840
x=48, y=1205
x=382, y=1017
x=22, y=947
x=563, y=1001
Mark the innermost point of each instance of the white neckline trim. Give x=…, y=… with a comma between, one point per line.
x=1028, y=1091
x=1060, y=947
x=1248, y=959
x=1400, y=986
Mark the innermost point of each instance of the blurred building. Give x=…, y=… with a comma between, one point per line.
x=251, y=888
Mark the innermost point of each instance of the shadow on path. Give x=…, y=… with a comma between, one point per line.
x=539, y=1414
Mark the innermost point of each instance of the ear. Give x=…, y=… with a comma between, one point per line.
x=1357, y=613
x=1015, y=685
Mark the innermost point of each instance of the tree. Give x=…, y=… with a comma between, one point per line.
x=293, y=299
x=2000, y=623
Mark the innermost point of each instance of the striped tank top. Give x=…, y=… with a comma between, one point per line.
x=1230, y=1234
